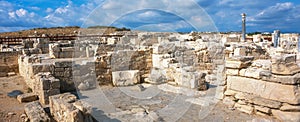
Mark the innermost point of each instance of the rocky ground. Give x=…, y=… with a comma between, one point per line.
x=134, y=103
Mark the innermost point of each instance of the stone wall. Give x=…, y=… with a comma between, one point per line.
x=45, y=85
x=62, y=70
x=29, y=66
x=61, y=50
x=9, y=62
x=264, y=87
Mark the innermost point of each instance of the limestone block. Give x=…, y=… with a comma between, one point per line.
x=35, y=112
x=288, y=107
x=262, y=102
x=67, y=49
x=229, y=101
x=287, y=58
x=241, y=58
x=285, y=69
x=262, y=109
x=242, y=72
x=230, y=92
x=125, y=78
x=286, y=116
x=40, y=67
x=232, y=71
x=236, y=64
x=164, y=48
x=63, y=64
x=193, y=80
x=288, y=80
x=11, y=74
x=244, y=108
x=158, y=76
x=27, y=97
x=268, y=90
x=240, y=52
x=253, y=72
x=285, y=65
x=157, y=61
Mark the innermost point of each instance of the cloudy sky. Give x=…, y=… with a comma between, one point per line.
x=154, y=15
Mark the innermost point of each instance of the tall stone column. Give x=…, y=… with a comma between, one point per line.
x=243, y=27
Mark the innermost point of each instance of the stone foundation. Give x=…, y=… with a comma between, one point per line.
x=264, y=88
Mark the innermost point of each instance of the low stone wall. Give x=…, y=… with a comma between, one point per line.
x=61, y=50
x=9, y=62
x=29, y=66
x=66, y=108
x=264, y=87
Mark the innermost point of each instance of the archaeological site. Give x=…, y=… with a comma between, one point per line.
x=150, y=76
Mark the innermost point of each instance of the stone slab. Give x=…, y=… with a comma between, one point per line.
x=125, y=78
x=268, y=90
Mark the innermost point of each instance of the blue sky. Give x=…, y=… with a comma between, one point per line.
x=262, y=15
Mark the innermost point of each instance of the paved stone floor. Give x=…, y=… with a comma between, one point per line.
x=160, y=103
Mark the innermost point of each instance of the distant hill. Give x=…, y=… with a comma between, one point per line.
x=59, y=31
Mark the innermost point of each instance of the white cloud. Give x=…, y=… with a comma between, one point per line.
x=61, y=10
x=48, y=10
x=11, y=14
x=112, y=10
x=21, y=12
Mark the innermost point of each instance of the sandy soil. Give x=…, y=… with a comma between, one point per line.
x=10, y=108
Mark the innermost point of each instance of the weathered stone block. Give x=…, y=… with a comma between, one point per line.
x=194, y=80
x=288, y=107
x=125, y=78
x=268, y=90
x=244, y=108
x=288, y=80
x=27, y=97
x=36, y=113
x=263, y=102
x=262, y=109
x=285, y=65
x=232, y=71
x=236, y=64
x=287, y=116
x=229, y=101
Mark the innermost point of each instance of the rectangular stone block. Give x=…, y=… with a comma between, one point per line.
x=262, y=109
x=35, y=112
x=288, y=107
x=232, y=71
x=27, y=97
x=236, y=64
x=288, y=79
x=125, y=78
x=244, y=108
x=157, y=61
x=268, y=90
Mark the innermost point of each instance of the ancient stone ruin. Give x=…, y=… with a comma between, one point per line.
x=252, y=76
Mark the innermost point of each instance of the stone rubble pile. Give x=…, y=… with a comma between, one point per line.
x=66, y=108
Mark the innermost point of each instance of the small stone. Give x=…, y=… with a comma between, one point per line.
x=11, y=113
x=27, y=97
x=11, y=74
